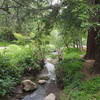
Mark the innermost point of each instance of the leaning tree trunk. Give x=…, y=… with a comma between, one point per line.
x=91, y=44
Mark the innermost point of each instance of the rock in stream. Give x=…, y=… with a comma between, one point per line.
x=28, y=85
x=49, y=88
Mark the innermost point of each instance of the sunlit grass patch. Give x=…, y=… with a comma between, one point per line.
x=72, y=53
x=3, y=44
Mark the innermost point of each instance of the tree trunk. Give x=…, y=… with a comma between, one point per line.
x=91, y=44
x=97, y=54
x=92, y=34
x=97, y=62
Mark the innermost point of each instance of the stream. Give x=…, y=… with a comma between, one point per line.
x=43, y=90
x=50, y=86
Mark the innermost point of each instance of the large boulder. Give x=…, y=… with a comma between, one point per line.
x=50, y=97
x=42, y=82
x=28, y=85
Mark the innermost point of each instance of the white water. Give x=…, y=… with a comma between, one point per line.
x=51, y=70
x=40, y=93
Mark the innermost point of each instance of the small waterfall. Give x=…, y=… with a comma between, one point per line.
x=49, y=87
x=51, y=71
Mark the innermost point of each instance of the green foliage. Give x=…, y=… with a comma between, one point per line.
x=56, y=39
x=36, y=19
x=14, y=61
x=72, y=53
x=6, y=34
x=69, y=72
x=3, y=44
x=91, y=86
x=88, y=90
x=21, y=39
x=70, y=76
x=6, y=85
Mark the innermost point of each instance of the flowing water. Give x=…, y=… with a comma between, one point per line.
x=42, y=90
x=49, y=87
x=51, y=71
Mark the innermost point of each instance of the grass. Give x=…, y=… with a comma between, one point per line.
x=69, y=72
x=72, y=53
x=70, y=78
x=88, y=90
x=3, y=44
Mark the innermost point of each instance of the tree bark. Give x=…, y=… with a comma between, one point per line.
x=91, y=44
x=92, y=34
x=97, y=55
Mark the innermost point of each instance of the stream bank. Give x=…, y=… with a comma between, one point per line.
x=49, y=87
x=43, y=90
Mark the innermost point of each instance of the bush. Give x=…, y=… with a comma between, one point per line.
x=88, y=90
x=69, y=75
x=72, y=53
x=6, y=34
x=4, y=43
x=69, y=72
x=21, y=39
x=14, y=61
x=91, y=86
x=7, y=84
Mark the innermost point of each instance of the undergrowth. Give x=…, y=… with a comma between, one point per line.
x=4, y=43
x=70, y=79
x=15, y=61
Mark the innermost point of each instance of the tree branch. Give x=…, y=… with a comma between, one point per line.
x=18, y=3
x=9, y=7
x=3, y=3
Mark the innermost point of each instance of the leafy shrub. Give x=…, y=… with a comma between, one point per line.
x=21, y=39
x=8, y=75
x=91, y=86
x=88, y=90
x=7, y=83
x=4, y=43
x=70, y=75
x=72, y=53
x=14, y=61
x=69, y=72
x=6, y=34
